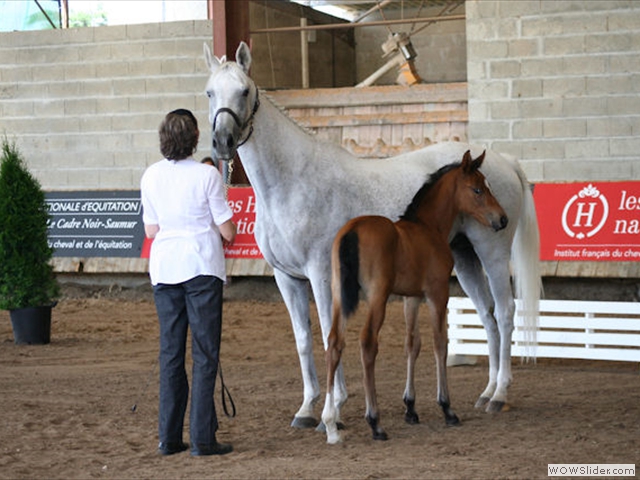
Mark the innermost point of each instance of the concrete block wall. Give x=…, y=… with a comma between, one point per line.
x=556, y=84
x=84, y=104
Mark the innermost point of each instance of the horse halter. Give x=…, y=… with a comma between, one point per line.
x=236, y=119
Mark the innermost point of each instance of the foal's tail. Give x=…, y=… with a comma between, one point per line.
x=525, y=259
x=349, y=273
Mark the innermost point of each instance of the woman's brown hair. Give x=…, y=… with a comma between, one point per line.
x=178, y=135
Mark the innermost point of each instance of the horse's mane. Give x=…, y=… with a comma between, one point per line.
x=264, y=94
x=411, y=213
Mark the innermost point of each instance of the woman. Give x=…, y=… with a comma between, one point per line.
x=185, y=212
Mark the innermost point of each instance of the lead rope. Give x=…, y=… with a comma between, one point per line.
x=227, y=184
x=223, y=387
x=223, y=390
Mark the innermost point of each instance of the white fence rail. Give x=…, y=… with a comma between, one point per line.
x=567, y=329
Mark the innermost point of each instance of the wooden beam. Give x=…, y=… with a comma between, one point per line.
x=358, y=120
x=372, y=96
x=340, y=26
x=230, y=25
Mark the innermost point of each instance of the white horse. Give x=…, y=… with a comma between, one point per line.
x=307, y=189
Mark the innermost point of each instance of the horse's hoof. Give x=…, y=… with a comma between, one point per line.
x=452, y=421
x=411, y=418
x=334, y=439
x=482, y=402
x=381, y=435
x=322, y=428
x=497, y=407
x=304, y=422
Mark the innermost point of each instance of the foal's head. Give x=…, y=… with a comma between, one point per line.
x=468, y=192
x=473, y=196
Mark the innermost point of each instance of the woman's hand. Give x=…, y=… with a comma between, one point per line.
x=228, y=232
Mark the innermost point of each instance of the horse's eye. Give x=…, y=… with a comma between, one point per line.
x=209, y=94
x=245, y=92
x=477, y=191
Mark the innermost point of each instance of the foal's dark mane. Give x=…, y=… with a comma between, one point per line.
x=411, y=213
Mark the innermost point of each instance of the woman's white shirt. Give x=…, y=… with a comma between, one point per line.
x=186, y=200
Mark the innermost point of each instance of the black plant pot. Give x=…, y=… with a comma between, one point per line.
x=31, y=325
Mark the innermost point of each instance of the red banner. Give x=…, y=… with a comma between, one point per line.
x=591, y=221
x=242, y=202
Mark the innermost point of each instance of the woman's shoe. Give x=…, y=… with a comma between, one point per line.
x=169, y=448
x=198, y=450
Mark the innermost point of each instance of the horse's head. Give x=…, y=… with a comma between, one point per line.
x=475, y=197
x=233, y=100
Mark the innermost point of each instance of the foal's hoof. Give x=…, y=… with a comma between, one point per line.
x=381, y=435
x=304, y=422
x=497, y=407
x=411, y=418
x=482, y=402
x=452, y=421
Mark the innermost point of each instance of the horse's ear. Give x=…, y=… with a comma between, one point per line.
x=243, y=57
x=212, y=61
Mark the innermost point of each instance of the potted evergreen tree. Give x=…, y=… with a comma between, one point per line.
x=28, y=286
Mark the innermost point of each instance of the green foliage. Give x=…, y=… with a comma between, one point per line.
x=95, y=18
x=39, y=21
x=26, y=275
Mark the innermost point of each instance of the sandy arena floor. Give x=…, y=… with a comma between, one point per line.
x=66, y=406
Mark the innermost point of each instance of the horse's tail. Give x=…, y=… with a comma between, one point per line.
x=349, y=273
x=525, y=259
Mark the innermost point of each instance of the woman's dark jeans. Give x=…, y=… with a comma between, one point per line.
x=195, y=304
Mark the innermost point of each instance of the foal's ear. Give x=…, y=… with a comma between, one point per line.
x=478, y=161
x=212, y=61
x=243, y=57
x=466, y=162
x=470, y=165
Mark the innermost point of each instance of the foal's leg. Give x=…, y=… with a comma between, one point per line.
x=369, y=351
x=412, y=349
x=438, y=316
x=296, y=297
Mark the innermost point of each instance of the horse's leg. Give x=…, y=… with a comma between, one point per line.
x=499, y=281
x=320, y=284
x=412, y=349
x=437, y=307
x=473, y=281
x=335, y=345
x=368, y=353
x=296, y=297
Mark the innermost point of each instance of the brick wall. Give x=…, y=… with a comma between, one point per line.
x=556, y=83
x=84, y=104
